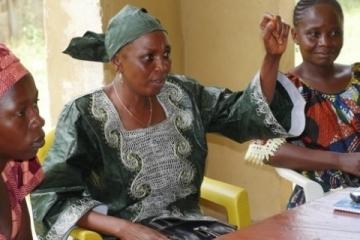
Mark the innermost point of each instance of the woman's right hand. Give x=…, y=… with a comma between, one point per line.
x=275, y=34
x=136, y=231
x=120, y=228
x=350, y=163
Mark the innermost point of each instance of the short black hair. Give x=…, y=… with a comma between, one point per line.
x=302, y=5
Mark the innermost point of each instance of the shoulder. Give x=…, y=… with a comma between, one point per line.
x=343, y=71
x=355, y=70
x=186, y=83
x=83, y=101
x=87, y=96
x=294, y=78
x=78, y=106
x=182, y=80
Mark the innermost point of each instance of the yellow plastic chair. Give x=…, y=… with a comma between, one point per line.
x=43, y=151
x=77, y=233
x=234, y=199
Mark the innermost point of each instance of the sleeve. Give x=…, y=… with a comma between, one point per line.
x=246, y=115
x=62, y=199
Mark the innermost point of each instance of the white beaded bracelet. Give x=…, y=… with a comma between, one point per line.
x=259, y=151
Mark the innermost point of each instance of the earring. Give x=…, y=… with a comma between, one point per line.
x=119, y=78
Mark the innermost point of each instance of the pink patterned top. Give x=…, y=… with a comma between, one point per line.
x=20, y=179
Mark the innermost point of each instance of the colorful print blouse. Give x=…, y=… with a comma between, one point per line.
x=332, y=124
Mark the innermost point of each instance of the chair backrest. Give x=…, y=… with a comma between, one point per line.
x=312, y=189
x=49, y=140
x=233, y=198
x=76, y=233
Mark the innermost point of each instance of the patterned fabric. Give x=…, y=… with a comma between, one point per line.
x=332, y=124
x=11, y=70
x=127, y=25
x=158, y=154
x=20, y=179
x=154, y=171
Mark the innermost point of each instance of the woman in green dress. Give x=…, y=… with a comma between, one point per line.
x=136, y=148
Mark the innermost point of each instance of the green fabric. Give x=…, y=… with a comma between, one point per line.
x=90, y=47
x=82, y=165
x=127, y=25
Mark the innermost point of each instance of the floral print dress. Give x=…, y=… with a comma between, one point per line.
x=332, y=124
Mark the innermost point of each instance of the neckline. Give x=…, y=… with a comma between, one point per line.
x=131, y=114
x=347, y=87
x=120, y=123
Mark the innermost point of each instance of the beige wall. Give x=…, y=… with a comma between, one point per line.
x=68, y=77
x=216, y=42
x=67, y=19
x=223, y=47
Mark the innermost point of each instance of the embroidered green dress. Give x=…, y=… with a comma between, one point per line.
x=96, y=164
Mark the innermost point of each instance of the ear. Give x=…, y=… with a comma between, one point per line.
x=117, y=63
x=294, y=35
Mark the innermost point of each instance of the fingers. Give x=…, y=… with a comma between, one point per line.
x=278, y=27
x=350, y=163
x=284, y=33
x=268, y=26
x=266, y=19
x=272, y=26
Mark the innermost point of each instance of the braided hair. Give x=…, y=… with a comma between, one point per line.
x=302, y=5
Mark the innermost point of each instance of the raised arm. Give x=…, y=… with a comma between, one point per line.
x=278, y=153
x=301, y=158
x=275, y=36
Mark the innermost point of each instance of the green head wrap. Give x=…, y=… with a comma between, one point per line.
x=127, y=25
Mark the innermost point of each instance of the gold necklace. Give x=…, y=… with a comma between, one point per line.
x=131, y=114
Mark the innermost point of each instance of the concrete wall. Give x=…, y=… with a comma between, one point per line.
x=216, y=42
x=68, y=77
x=223, y=47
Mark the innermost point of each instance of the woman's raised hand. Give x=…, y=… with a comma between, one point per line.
x=275, y=34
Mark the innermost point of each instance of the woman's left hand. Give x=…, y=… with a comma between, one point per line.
x=275, y=34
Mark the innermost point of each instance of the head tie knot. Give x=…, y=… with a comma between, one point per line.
x=126, y=26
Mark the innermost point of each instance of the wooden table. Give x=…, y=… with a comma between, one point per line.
x=312, y=221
